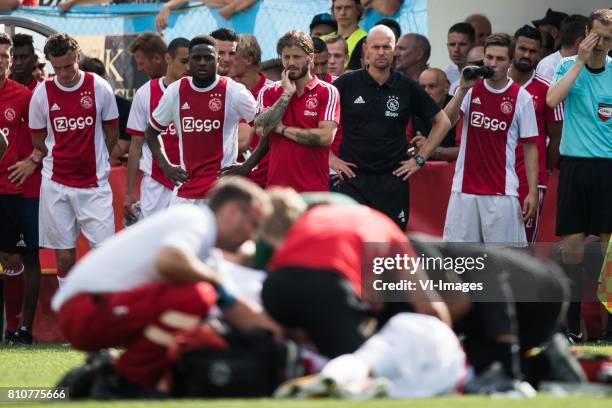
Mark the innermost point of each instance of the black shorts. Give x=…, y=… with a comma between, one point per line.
x=11, y=219
x=383, y=192
x=584, y=198
x=322, y=302
x=30, y=224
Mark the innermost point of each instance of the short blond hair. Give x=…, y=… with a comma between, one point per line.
x=287, y=207
x=332, y=39
x=248, y=47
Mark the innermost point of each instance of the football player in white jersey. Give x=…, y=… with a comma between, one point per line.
x=155, y=189
x=74, y=123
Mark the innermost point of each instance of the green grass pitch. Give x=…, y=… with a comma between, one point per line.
x=43, y=365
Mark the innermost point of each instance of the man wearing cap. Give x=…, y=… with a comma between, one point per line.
x=551, y=23
x=322, y=24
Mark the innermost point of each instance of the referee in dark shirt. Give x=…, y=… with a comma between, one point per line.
x=376, y=104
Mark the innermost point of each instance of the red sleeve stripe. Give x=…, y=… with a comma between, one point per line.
x=156, y=125
x=111, y=121
x=134, y=132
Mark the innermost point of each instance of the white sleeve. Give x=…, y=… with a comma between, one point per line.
x=106, y=96
x=39, y=108
x=139, y=112
x=163, y=115
x=262, y=100
x=465, y=104
x=528, y=125
x=193, y=230
x=332, y=107
x=243, y=102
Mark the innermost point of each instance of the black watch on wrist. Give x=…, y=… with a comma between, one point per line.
x=420, y=160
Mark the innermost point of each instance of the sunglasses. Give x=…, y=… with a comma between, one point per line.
x=479, y=63
x=41, y=66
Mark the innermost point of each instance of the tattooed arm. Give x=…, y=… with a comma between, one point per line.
x=321, y=136
x=270, y=118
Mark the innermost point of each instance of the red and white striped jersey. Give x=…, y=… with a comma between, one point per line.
x=493, y=121
x=537, y=87
x=73, y=118
x=144, y=103
x=207, y=121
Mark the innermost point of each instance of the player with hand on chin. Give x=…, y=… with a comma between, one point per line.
x=297, y=122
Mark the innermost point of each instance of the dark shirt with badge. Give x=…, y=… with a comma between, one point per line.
x=374, y=118
x=424, y=127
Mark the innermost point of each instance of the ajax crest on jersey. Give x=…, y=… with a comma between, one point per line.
x=312, y=103
x=86, y=101
x=393, y=103
x=506, y=107
x=215, y=104
x=9, y=114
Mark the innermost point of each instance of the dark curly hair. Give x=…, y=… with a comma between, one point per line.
x=60, y=44
x=23, y=40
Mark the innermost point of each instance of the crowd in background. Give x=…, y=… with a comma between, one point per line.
x=341, y=111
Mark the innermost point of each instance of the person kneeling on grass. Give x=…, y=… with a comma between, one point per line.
x=152, y=280
x=314, y=285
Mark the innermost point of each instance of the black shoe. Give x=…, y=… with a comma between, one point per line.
x=79, y=380
x=9, y=337
x=607, y=337
x=109, y=385
x=574, y=338
x=495, y=381
x=21, y=337
x=563, y=366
